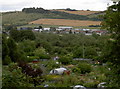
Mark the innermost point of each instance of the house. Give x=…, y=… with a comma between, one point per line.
x=58, y=29
x=65, y=28
x=37, y=30
x=24, y=28
x=58, y=71
x=46, y=29
x=86, y=29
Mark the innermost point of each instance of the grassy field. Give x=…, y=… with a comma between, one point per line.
x=79, y=12
x=22, y=18
x=64, y=22
x=47, y=26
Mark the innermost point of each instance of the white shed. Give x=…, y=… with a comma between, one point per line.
x=46, y=29
x=58, y=71
x=79, y=87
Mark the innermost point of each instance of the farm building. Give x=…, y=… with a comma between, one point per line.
x=37, y=30
x=65, y=28
x=46, y=29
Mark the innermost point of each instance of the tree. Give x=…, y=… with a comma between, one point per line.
x=78, y=52
x=90, y=52
x=26, y=34
x=40, y=27
x=41, y=53
x=84, y=67
x=27, y=46
x=13, y=52
x=7, y=60
x=112, y=23
x=65, y=59
x=22, y=35
x=15, y=34
x=5, y=49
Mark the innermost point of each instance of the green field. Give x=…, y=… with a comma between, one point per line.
x=22, y=18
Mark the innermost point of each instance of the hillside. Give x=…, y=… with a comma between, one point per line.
x=90, y=14
x=78, y=12
x=22, y=17
x=65, y=22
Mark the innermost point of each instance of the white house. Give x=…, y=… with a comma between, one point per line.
x=86, y=29
x=65, y=28
x=58, y=29
x=58, y=71
x=46, y=29
x=37, y=30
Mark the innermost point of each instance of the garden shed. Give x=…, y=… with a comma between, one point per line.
x=58, y=71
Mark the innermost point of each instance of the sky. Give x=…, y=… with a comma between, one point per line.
x=18, y=5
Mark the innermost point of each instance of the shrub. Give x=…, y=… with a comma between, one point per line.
x=12, y=66
x=52, y=64
x=14, y=78
x=65, y=60
x=84, y=67
x=7, y=60
x=76, y=70
x=91, y=84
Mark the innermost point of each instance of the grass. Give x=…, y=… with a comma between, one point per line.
x=56, y=26
x=21, y=18
x=80, y=12
x=65, y=22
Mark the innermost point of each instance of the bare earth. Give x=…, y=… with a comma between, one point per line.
x=79, y=12
x=65, y=22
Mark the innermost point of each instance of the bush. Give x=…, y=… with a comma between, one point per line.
x=76, y=70
x=65, y=60
x=84, y=67
x=12, y=66
x=7, y=60
x=52, y=64
x=14, y=78
x=41, y=53
x=92, y=84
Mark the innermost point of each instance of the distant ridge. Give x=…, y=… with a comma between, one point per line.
x=79, y=12
x=31, y=14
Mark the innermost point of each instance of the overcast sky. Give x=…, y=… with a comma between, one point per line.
x=12, y=5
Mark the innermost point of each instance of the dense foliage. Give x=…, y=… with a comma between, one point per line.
x=10, y=51
x=112, y=23
x=34, y=10
x=24, y=45
x=22, y=35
